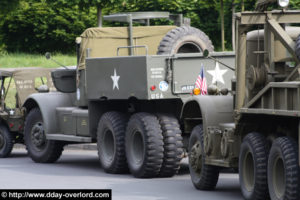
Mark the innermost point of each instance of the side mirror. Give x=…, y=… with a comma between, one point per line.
x=48, y=55
x=205, y=53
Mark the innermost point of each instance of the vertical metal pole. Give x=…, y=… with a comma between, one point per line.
x=180, y=19
x=222, y=26
x=99, y=16
x=130, y=34
x=241, y=67
x=269, y=43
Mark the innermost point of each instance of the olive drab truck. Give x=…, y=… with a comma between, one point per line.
x=257, y=131
x=126, y=94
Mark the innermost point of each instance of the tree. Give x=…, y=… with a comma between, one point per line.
x=87, y=4
x=37, y=27
x=8, y=5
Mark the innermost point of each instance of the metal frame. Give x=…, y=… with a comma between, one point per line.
x=273, y=22
x=142, y=17
x=132, y=47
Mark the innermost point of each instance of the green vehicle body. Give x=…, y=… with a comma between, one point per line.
x=257, y=132
x=135, y=85
x=64, y=120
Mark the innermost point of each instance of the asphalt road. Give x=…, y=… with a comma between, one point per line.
x=81, y=170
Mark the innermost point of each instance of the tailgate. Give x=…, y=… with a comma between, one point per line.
x=187, y=68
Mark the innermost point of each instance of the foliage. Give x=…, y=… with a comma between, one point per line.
x=38, y=27
x=84, y=4
x=8, y=5
x=52, y=25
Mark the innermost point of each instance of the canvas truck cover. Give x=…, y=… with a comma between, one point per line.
x=103, y=42
x=26, y=78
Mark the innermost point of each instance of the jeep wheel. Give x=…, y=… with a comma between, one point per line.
x=204, y=177
x=172, y=145
x=6, y=142
x=283, y=170
x=184, y=39
x=144, y=145
x=39, y=148
x=253, y=167
x=111, y=142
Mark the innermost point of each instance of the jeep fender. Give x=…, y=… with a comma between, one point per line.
x=48, y=102
x=212, y=109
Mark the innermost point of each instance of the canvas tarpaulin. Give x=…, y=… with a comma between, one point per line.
x=103, y=42
x=25, y=80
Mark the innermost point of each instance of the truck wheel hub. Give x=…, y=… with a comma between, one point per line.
x=38, y=136
x=196, y=158
x=248, y=171
x=138, y=147
x=109, y=145
x=279, y=178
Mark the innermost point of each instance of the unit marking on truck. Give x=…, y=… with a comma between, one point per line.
x=156, y=73
x=157, y=96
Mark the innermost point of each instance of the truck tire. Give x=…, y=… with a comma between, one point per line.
x=204, y=177
x=184, y=39
x=6, y=142
x=253, y=160
x=39, y=148
x=111, y=142
x=283, y=170
x=172, y=145
x=297, y=50
x=144, y=145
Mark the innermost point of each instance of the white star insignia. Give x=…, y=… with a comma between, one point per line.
x=217, y=74
x=115, y=78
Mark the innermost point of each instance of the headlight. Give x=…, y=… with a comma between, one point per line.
x=283, y=3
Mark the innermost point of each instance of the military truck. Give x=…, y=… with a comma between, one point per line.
x=256, y=128
x=16, y=85
x=124, y=97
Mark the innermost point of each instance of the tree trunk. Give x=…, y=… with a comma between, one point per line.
x=243, y=6
x=99, y=16
x=222, y=26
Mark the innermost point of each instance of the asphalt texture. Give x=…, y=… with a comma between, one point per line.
x=80, y=169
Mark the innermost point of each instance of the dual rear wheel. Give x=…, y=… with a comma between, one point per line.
x=265, y=172
x=147, y=145
x=269, y=173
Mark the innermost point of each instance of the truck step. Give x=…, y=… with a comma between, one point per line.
x=70, y=138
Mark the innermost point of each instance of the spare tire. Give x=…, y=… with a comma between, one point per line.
x=184, y=39
x=297, y=50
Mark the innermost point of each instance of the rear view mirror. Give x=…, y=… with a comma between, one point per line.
x=205, y=53
x=48, y=55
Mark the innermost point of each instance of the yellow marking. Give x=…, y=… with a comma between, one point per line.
x=83, y=122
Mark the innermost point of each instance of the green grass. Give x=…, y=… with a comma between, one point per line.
x=14, y=60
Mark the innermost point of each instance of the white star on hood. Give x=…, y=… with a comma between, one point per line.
x=217, y=74
x=115, y=79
